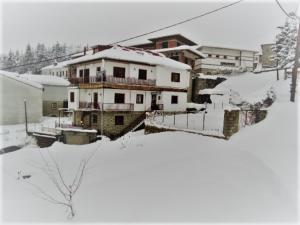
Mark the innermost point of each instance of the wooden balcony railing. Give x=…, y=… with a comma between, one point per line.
x=107, y=106
x=111, y=79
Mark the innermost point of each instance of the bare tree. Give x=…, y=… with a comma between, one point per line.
x=67, y=191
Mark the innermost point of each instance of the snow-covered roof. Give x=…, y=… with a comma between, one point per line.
x=227, y=47
x=211, y=77
x=20, y=78
x=59, y=65
x=212, y=91
x=132, y=54
x=46, y=79
x=182, y=47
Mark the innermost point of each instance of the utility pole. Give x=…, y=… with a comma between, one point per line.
x=295, y=69
x=26, y=125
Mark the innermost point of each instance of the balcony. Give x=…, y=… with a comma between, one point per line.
x=111, y=79
x=107, y=106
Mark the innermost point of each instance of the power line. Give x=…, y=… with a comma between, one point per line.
x=134, y=37
x=181, y=22
x=283, y=10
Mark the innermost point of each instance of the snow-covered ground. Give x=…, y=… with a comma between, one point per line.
x=15, y=135
x=167, y=177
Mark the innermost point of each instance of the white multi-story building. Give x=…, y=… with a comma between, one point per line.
x=219, y=59
x=120, y=84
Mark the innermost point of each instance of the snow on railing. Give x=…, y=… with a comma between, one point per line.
x=111, y=79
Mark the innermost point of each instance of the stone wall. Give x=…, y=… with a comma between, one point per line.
x=78, y=138
x=200, y=84
x=49, y=110
x=109, y=128
x=231, y=122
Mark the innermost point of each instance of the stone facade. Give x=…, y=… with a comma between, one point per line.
x=50, y=108
x=231, y=122
x=200, y=84
x=110, y=129
x=78, y=138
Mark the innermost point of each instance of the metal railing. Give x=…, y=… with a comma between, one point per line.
x=107, y=106
x=111, y=79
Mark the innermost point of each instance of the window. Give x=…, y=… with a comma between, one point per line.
x=225, y=56
x=175, y=77
x=186, y=61
x=86, y=72
x=119, y=72
x=72, y=96
x=217, y=56
x=209, y=55
x=164, y=44
x=54, y=105
x=142, y=74
x=237, y=58
x=119, y=120
x=227, y=64
x=63, y=73
x=139, y=99
x=119, y=98
x=94, y=118
x=174, y=99
x=80, y=73
x=98, y=69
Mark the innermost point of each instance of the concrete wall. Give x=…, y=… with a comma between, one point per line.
x=13, y=93
x=267, y=53
x=231, y=122
x=166, y=101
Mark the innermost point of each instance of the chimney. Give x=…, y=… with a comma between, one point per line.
x=84, y=50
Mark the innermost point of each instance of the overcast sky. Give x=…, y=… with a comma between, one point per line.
x=245, y=25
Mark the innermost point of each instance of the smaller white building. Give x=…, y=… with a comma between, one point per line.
x=220, y=59
x=55, y=92
x=14, y=90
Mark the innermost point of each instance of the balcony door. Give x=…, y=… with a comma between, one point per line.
x=86, y=76
x=96, y=100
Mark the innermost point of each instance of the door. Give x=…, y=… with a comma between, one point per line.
x=153, y=102
x=96, y=100
x=86, y=76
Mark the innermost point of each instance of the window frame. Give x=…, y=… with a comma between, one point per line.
x=140, y=76
x=175, y=77
x=72, y=96
x=174, y=99
x=117, y=73
x=140, y=98
x=117, y=99
x=119, y=120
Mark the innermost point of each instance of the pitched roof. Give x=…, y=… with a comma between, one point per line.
x=182, y=47
x=20, y=78
x=118, y=52
x=46, y=79
x=178, y=36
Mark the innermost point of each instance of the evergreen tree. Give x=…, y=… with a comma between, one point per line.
x=284, y=49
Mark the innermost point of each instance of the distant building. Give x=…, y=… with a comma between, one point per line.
x=267, y=54
x=219, y=59
x=55, y=92
x=61, y=69
x=176, y=47
x=14, y=90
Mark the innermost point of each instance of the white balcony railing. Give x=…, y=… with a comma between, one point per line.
x=107, y=106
